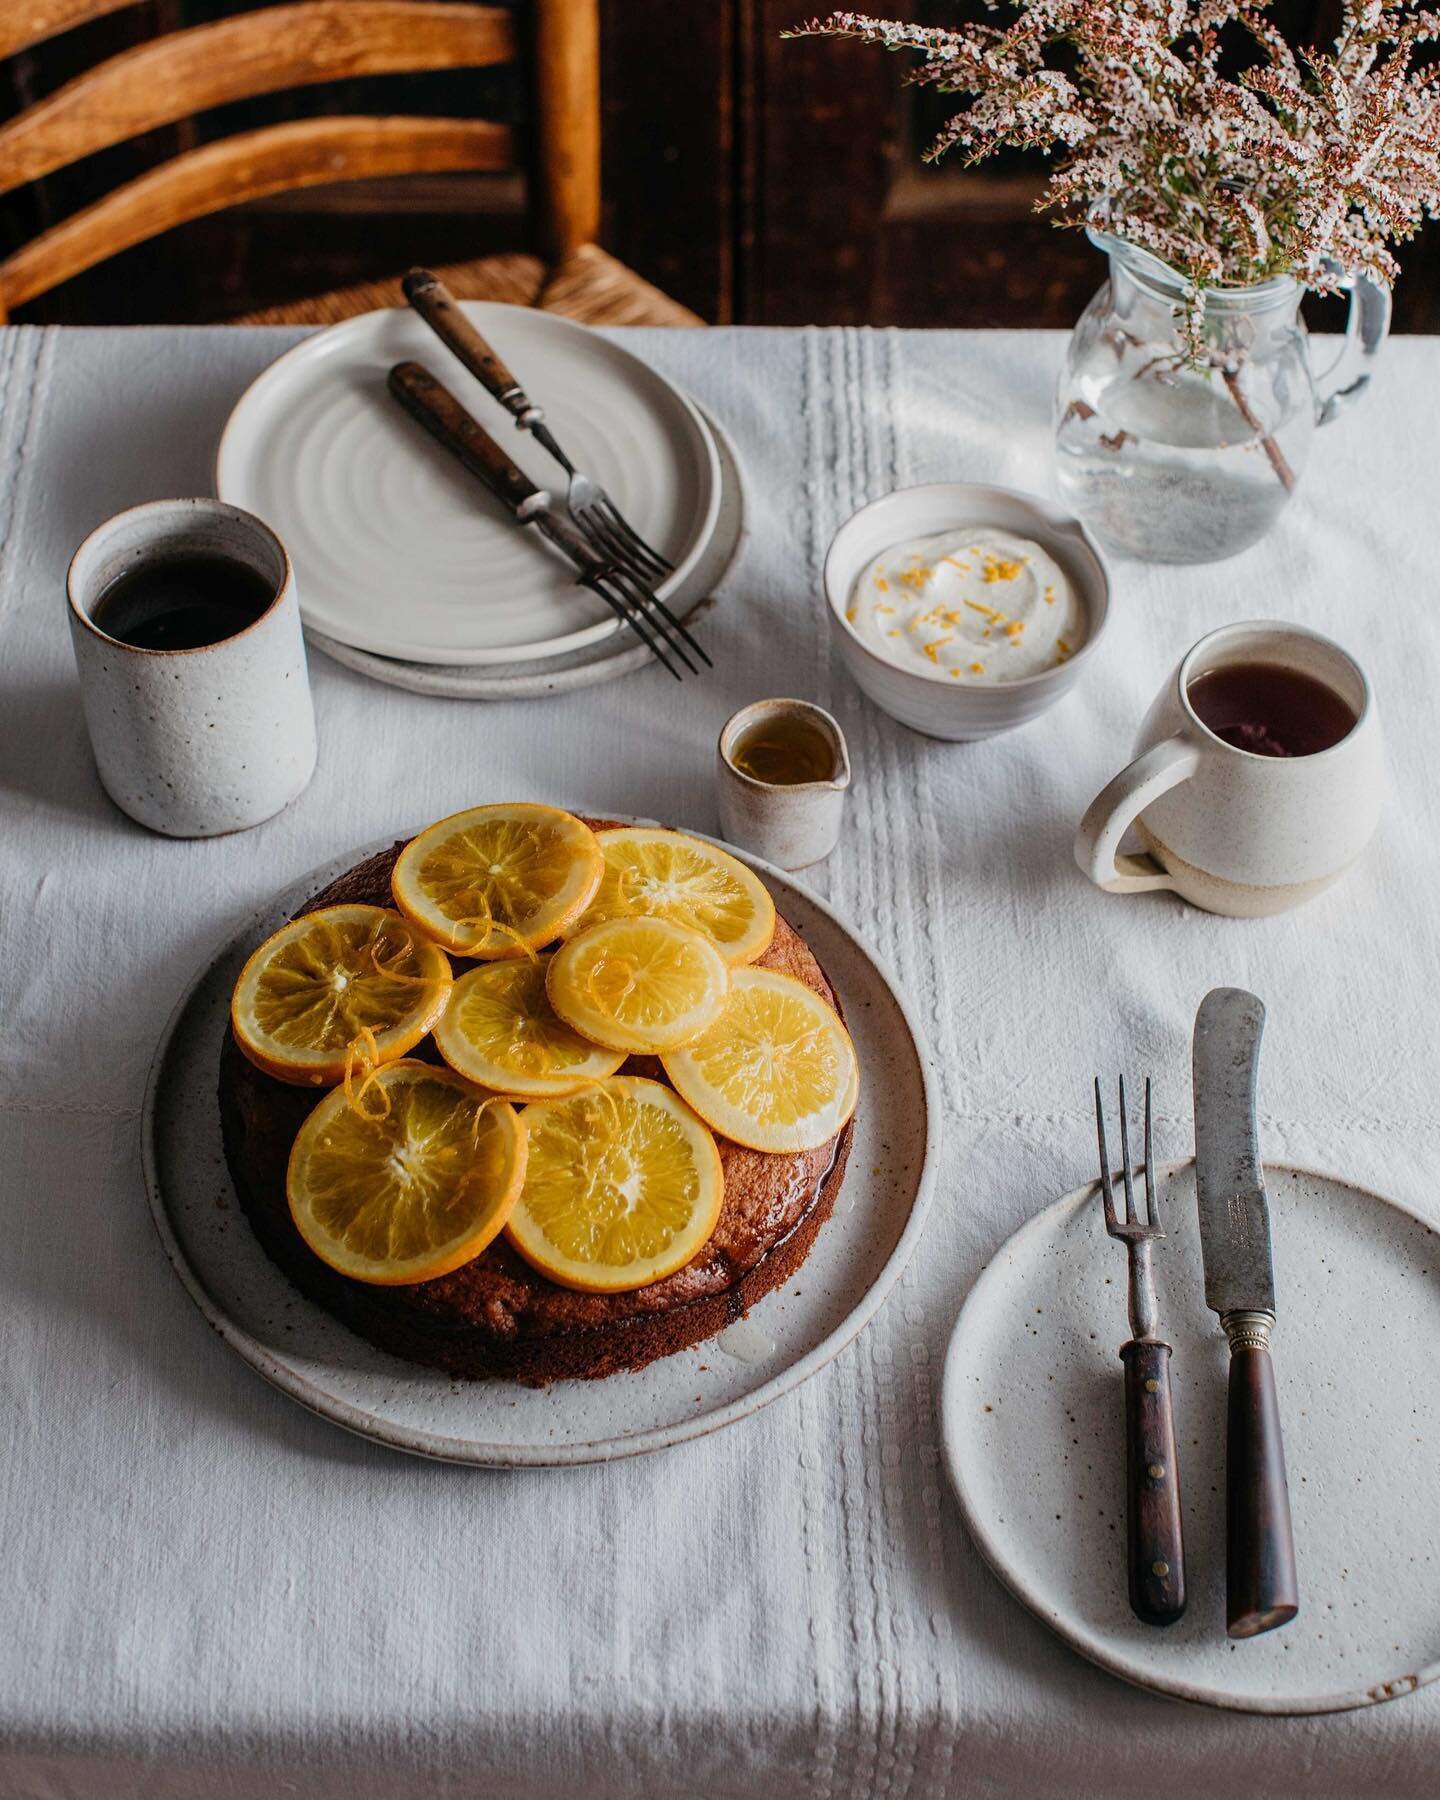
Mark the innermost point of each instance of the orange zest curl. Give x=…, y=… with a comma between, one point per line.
x=531, y=1058
x=620, y=963
x=480, y=1112
x=390, y=969
x=362, y=1056
x=606, y=1126
x=629, y=876
x=485, y=923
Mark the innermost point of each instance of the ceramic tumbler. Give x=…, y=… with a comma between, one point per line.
x=1232, y=831
x=791, y=824
x=194, y=742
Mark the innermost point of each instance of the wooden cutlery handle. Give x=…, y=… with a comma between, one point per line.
x=447, y=421
x=440, y=310
x=1261, y=1590
x=1155, y=1538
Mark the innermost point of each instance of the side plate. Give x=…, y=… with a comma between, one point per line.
x=1032, y=1419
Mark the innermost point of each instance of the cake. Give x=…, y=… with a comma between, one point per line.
x=497, y=1316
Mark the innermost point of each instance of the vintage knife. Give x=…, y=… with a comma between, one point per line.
x=1260, y=1585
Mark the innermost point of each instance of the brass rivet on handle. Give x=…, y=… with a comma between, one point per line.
x=1159, y=1568
x=1152, y=1386
x=1155, y=1471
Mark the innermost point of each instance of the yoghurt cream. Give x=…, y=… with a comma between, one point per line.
x=977, y=606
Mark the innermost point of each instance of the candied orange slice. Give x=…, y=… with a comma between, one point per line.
x=498, y=881
x=500, y=1030
x=321, y=983
x=638, y=984
x=623, y=1186
x=776, y=1071
x=412, y=1191
x=666, y=875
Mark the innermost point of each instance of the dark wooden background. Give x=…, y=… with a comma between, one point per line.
x=755, y=179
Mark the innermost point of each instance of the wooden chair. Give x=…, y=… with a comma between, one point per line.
x=303, y=43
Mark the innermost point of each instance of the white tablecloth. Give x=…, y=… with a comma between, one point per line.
x=207, y=1590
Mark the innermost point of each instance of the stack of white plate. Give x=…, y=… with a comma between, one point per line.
x=407, y=567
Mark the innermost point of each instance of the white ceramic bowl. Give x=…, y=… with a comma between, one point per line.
x=959, y=711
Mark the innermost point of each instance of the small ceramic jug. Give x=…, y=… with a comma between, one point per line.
x=1232, y=831
x=792, y=823
x=194, y=742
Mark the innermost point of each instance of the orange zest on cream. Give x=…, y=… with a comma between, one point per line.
x=977, y=605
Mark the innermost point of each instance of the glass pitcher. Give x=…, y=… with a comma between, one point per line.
x=1182, y=458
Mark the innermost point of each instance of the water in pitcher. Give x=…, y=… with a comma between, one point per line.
x=1168, y=467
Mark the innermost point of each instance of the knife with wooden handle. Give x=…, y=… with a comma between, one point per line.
x=1260, y=1584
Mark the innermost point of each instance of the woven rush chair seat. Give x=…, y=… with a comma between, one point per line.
x=588, y=285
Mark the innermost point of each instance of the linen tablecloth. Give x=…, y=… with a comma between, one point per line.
x=205, y=1589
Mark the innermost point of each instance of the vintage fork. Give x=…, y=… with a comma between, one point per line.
x=442, y=415
x=590, y=506
x=1155, y=1541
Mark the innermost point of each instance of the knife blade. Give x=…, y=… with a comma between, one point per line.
x=1261, y=1588
x=1234, y=1210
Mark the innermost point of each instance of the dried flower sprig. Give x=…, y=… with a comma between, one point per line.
x=1305, y=163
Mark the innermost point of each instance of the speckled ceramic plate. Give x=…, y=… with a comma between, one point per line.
x=1032, y=1416
x=605, y=660
x=858, y=1254
x=396, y=549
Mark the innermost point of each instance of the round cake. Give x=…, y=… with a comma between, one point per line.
x=497, y=1316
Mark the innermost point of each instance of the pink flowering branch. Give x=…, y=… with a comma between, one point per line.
x=1310, y=163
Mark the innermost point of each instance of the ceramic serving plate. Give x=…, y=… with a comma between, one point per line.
x=604, y=660
x=858, y=1255
x=1033, y=1422
x=400, y=552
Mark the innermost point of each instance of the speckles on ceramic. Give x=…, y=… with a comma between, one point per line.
x=1033, y=1423
x=1233, y=832
x=194, y=743
x=858, y=1255
x=793, y=825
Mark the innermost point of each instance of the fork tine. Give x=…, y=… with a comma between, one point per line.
x=598, y=530
x=596, y=585
x=1132, y=1217
x=639, y=597
x=608, y=542
x=1107, y=1192
x=638, y=547
x=679, y=625
x=661, y=617
x=1149, y=1165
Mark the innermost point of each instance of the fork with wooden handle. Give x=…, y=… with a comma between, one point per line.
x=447, y=421
x=1155, y=1542
x=590, y=506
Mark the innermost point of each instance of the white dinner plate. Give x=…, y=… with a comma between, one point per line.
x=396, y=548
x=1033, y=1421
x=857, y=1258
x=693, y=600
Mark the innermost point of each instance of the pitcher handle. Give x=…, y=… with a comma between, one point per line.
x=1116, y=807
x=1366, y=326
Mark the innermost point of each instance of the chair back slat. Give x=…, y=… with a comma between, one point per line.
x=249, y=166
x=567, y=97
x=292, y=46
x=27, y=22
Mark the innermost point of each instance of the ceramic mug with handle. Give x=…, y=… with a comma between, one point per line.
x=1232, y=831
